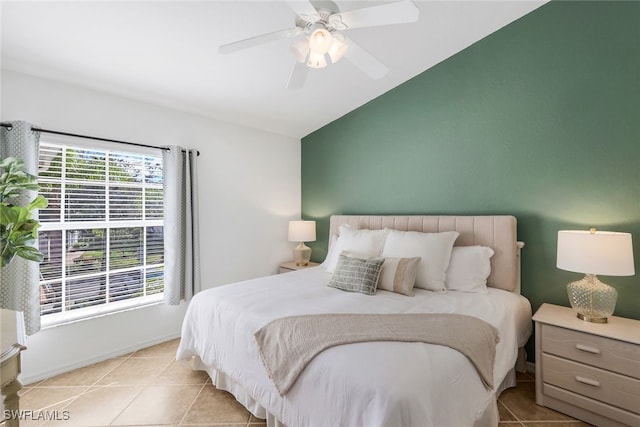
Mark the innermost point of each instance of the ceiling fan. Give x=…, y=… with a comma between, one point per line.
x=317, y=34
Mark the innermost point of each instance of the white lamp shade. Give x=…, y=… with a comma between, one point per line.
x=316, y=60
x=601, y=252
x=302, y=231
x=338, y=49
x=320, y=41
x=299, y=49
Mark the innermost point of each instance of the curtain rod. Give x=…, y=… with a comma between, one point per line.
x=9, y=126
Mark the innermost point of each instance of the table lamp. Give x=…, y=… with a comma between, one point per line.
x=302, y=231
x=594, y=252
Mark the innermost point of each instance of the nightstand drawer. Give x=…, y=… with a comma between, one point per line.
x=605, y=353
x=608, y=387
x=578, y=404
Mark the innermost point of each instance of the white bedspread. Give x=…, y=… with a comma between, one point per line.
x=365, y=384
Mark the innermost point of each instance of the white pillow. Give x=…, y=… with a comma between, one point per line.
x=366, y=243
x=433, y=248
x=469, y=268
x=331, y=252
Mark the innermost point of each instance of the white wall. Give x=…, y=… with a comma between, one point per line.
x=249, y=189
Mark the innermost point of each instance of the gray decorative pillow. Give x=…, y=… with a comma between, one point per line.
x=356, y=274
x=399, y=275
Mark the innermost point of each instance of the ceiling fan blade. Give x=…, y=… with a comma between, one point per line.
x=364, y=60
x=298, y=76
x=304, y=9
x=257, y=40
x=392, y=13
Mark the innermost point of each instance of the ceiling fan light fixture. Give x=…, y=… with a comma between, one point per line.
x=318, y=24
x=320, y=41
x=338, y=49
x=300, y=49
x=316, y=60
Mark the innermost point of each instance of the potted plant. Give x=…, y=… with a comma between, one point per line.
x=18, y=230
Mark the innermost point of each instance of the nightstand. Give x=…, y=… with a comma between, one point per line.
x=587, y=370
x=288, y=266
x=12, y=342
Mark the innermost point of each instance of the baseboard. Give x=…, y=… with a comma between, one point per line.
x=81, y=364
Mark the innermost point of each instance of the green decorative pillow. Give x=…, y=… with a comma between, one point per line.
x=356, y=274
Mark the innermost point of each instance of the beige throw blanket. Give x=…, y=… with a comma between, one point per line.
x=288, y=344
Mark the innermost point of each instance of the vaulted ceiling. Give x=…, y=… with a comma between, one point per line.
x=165, y=53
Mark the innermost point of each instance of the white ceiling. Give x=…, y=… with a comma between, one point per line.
x=165, y=53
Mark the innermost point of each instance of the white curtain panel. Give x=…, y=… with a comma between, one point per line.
x=181, y=230
x=19, y=284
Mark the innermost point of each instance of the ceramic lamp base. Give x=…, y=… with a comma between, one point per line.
x=302, y=254
x=593, y=300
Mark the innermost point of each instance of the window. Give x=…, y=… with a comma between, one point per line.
x=102, y=233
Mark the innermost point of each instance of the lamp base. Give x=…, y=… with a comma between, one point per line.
x=591, y=319
x=302, y=254
x=593, y=300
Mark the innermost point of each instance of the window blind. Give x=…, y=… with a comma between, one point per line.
x=102, y=232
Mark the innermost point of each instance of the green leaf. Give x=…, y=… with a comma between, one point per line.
x=25, y=239
x=23, y=214
x=5, y=259
x=5, y=214
x=27, y=226
x=30, y=253
x=38, y=203
x=13, y=213
x=8, y=161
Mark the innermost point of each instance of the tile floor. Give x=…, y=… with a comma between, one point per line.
x=150, y=388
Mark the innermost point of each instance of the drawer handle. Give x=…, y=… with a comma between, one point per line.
x=588, y=349
x=588, y=381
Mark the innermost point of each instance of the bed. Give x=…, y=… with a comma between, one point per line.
x=368, y=383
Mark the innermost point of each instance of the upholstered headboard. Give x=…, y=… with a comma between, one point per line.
x=495, y=231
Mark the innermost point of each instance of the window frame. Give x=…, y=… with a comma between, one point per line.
x=108, y=307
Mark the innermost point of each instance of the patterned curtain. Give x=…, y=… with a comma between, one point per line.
x=19, y=287
x=181, y=239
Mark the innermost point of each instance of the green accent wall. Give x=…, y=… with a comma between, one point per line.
x=540, y=120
